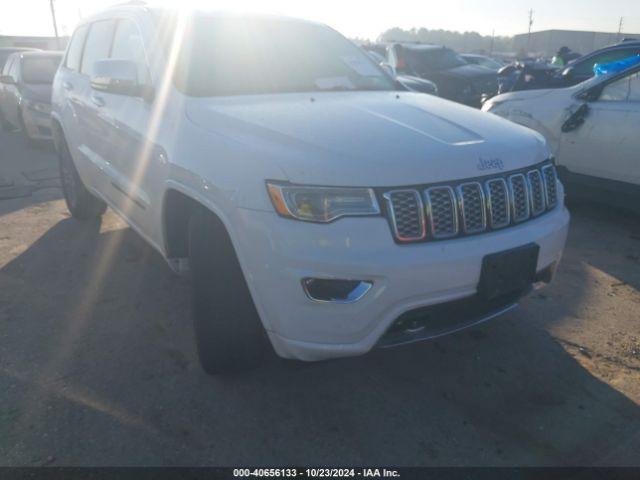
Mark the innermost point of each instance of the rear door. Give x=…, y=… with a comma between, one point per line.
x=12, y=93
x=66, y=88
x=92, y=118
x=607, y=144
x=3, y=87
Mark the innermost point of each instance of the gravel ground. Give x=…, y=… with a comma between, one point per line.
x=98, y=365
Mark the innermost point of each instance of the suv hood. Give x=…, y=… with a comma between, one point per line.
x=470, y=72
x=368, y=138
x=524, y=95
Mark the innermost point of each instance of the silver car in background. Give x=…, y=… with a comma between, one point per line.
x=25, y=93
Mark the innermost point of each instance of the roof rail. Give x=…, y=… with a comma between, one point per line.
x=132, y=3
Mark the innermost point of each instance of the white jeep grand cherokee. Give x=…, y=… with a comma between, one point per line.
x=319, y=207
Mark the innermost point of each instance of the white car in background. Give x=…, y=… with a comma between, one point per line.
x=318, y=208
x=593, y=130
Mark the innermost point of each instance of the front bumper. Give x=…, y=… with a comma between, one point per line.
x=276, y=253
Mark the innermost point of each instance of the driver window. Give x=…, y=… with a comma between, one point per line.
x=634, y=87
x=7, y=67
x=617, y=91
x=128, y=45
x=14, y=71
x=586, y=66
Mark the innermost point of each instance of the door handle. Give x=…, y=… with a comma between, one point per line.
x=67, y=85
x=97, y=100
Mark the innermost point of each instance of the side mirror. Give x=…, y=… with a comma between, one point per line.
x=119, y=77
x=7, y=80
x=389, y=69
x=576, y=119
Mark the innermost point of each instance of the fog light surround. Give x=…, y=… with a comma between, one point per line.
x=326, y=290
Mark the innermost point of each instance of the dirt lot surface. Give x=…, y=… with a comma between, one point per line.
x=98, y=364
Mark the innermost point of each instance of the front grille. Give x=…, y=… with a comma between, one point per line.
x=471, y=207
x=536, y=191
x=407, y=217
x=442, y=212
x=519, y=193
x=550, y=185
x=498, y=203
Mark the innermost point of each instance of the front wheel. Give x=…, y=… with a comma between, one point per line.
x=81, y=203
x=229, y=334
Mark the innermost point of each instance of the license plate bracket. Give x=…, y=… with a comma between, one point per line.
x=508, y=272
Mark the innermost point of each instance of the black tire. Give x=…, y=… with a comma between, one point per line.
x=81, y=203
x=229, y=334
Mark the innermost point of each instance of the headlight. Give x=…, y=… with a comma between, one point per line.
x=322, y=204
x=40, y=107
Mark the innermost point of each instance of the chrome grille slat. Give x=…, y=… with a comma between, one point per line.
x=498, y=203
x=471, y=203
x=519, y=196
x=471, y=207
x=407, y=214
x=550, y=185
x=536, y=192
x=442, y=213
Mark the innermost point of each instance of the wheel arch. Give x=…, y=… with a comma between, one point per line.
x=178, y=205
x=57, y=131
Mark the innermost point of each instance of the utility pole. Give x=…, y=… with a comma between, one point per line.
x=529, y=34
x=55, y=24
x=620, y=27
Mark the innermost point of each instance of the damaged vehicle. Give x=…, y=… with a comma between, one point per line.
x=532, y=75
x=455, y=79
x=411, y=83
x=593, y=131
x=318, y=209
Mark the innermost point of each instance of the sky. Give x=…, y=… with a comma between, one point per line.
x=367, y=18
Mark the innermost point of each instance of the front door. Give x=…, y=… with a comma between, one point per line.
x=607, y=144
x=131, y=154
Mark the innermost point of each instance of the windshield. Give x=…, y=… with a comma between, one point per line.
x=433, y=59
x=239, y=56
x=40, y=70
x=488, y=63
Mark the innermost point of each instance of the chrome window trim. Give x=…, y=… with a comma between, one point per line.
x=387, y=196
x=513, y=198
x=534, y=212
x=454, y=205
x=494, y=225
x=483, y=207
